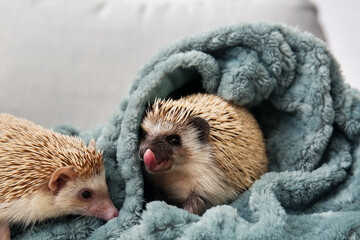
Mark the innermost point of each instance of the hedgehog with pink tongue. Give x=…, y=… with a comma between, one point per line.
x=154, y=164
x=200, y=151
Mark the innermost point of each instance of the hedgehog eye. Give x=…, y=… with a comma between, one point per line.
x=173, y=139
x=85, y=194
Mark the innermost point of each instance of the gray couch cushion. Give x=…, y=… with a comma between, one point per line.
x=71, y=61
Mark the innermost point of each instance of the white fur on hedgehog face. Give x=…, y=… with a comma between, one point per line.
x=42, y=205
x=69, y=197
x=194, y=160
x=192, y=150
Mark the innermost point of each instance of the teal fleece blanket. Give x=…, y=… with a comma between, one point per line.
x=311, y=123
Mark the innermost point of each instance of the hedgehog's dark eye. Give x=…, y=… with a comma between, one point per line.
x=174, y=140
x=86, y=194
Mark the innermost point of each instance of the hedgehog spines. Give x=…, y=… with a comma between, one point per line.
x=234, y=133
x=29, y=154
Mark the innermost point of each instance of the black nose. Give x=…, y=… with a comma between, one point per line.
x=142, y=151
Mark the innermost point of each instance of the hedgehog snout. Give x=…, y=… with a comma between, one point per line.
x=162, y=153
x=142, y=151
x=104, y=209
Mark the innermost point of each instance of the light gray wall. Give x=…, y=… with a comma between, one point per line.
x=340, y=20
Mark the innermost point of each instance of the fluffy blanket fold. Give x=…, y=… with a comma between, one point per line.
x=310, y=120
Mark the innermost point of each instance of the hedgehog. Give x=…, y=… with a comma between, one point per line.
x=200, y=151
x=45, y=174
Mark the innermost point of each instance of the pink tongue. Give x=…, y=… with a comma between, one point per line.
x=149, y=159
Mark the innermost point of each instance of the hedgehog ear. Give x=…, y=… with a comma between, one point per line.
x=92, y=145
x=202, y=126
x=60, y=177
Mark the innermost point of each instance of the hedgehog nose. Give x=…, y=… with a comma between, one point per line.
x=142, y=151
x=116, y=214
x=109, y=211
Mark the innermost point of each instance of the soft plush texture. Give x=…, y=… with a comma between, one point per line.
x=311, y=123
